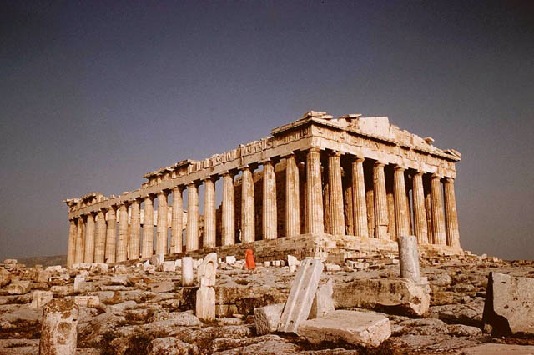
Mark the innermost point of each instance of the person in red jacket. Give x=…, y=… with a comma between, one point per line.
x=249, y=259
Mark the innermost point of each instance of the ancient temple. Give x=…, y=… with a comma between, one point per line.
x=319, y=186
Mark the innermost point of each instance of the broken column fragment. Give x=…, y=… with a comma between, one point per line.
x=409, y=258
x=59, y=335
x=188, y=274
x=205, y=298
x=323, y=302
x=301, y=295
x=266, y=318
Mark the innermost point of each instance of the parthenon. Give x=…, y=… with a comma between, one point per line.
x=320, y=184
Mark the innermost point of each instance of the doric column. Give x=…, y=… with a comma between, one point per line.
x=100, y=237
x=402, y=218
x=358, y=196
x=163, y=227
x=451, y=217
x=78, y=256
x=228, y=209
x=191, y=239
x=390, y=198
x=109, y=257
x=269, y=201
x=337, y=216
x=177, y=219
x=122, y=244
x=428, y=207
x=418, y=197
x=209, y=212
x=438, y=218
x=348, y=201
x=314, y=194
x=89, y=246
x=71, y=250
x=381, y=208
x=292, y=212
x=148, y=227
x=135, y=231
x=247, y=205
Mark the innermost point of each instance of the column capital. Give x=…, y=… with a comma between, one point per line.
x=315, y=149
x=379, y=164
x=359, y=159
x=334, y=153
x=399, y=168
x=435, y=176
x=449, y=180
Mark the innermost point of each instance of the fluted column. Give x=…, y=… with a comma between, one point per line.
x=177, y=219
x=191, y=240
x=148, y=227
x=269, y=201
x=78, y=256
x=402, y=218
x=71, y=249
x=163, y=227
x=228, y=209
x=381, y=208
x=438, y=218
x=111, y=233
x=209, y=213
x=358, y=196
x=420, y=223
x=122, y=244
x=292, y=212
x=135, y=232
x=314, y=198
x=100, y=237
x=451, y=217
x=337, y=216
x=247, y=205
x=89, y=247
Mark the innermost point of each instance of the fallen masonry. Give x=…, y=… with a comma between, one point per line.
x=131, y=309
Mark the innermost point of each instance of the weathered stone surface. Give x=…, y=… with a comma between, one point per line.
x=168, y=346
x=5, y=277
x=207, y=271
x=40, y=298
x=205, y=303
x=162, y=287
x=18, y=287
x=363, y=328
x=59, y=334
x=409, y=258
x=301, y=295
x=499, y=349
x=266, y=318
x=509, y=307
x=323, y=303
x=403, y=294
x=188, y=273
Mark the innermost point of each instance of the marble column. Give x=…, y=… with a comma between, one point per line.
x=390, y=198
x=451, y=217
x=78, y=258
x=163, y=218
x=228, y=212
x=381, y=208
x=89, y=245
x=428, y=207
x=100, y=237
x=209, y=213
x=111, y=233
x=292, y=212
x=122, y=244
x=71, y=250
x=177, y=220
x=358, y=196
x=247, y=205
x=337, y=216
x=269, y=201
x=402, y=218
x=348, y=205
x=419, y=208
x=191, y=239
x=314, y=192
x=135, y=231
x=438, y=218
x=148, y=227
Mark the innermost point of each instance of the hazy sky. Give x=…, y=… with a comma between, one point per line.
x=94, y=94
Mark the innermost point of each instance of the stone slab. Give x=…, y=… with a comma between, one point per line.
x=266, y=318
x=362, y=328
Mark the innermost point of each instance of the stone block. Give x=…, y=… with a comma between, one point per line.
x=323, y=302
x=188, y=273
x=207, y=271
x=205, y=304
x=168, y=266
x=87, y=301
x=409, y=258
x=18, y=287
x=162, y=287
x=362, y=328
x=59, y=329
x=5, y=277
x=301, y=295
x=230, y=259
x=509, y=307
x=40, y=298
x=266, y=318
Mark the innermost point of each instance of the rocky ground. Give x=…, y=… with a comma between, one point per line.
x=136, y=309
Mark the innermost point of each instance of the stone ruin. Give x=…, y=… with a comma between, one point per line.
x=324, y=187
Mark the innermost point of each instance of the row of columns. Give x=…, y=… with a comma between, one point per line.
x=365, y=202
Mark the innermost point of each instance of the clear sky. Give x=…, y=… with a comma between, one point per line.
x=93, y=94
